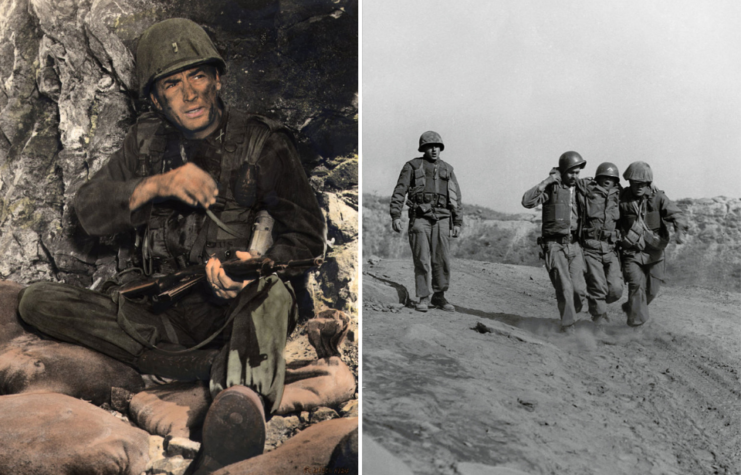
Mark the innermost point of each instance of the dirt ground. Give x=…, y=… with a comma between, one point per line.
x=444, y=398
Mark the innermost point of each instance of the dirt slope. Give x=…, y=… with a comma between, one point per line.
x=446, y=399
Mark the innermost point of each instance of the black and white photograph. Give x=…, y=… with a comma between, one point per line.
x=551, y=237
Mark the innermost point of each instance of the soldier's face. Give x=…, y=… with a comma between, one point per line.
x=189, y=99
x=432, y=151
x=570, y=176
x=607, y=182
x=639, y=188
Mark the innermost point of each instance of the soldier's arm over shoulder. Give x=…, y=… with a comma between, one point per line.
x=400, y=190
x=102, y=202
x=535, y=196
x=283, y=190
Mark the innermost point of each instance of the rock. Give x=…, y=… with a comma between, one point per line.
x=174, y=409
x=383, y=292
x=308, y=452
x=323, y=414
x=350, y=409
x=344, y=176
x=120, y=399
x=342, y=220
x=324, y=382
x=278, y=429
x=171, y=466
x=156, y=450
x=30, y=364
x=468, y=468
x=68, y=437
x=335, y=284
x=327, y=331
x=345, y=456
x=181, y=446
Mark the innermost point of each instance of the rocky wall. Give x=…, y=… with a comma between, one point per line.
x=68, y=93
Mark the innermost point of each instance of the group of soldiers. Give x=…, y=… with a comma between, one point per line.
x=595, y=233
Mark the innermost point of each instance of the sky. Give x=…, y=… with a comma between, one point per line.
x=511, y=85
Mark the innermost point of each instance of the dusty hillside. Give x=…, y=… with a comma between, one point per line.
x=444, y=398
x=710, y=257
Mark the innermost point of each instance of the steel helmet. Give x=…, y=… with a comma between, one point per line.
x=639, y=171
x=569, y=160
x=608, y=169
x=172, y=45
x=430, y=137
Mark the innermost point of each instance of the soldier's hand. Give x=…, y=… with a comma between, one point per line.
x=190, y=185
x=221, y=285
x=680, y=237
x=554, y=176
x=396, y=224
x=456, y=231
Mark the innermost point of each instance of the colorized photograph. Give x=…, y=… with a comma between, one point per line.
x=551, y=237
x=179, y=237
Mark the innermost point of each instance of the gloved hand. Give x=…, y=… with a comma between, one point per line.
x=396, y=224
x=456, y=231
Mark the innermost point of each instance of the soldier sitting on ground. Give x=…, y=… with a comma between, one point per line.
x=434, y=201
x=562, y=195
x=644, y=214
x=189, y=182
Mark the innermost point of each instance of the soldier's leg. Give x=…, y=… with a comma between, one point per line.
x=597, y=287
x=654, y=279
x=576, y=270
x=614, y=277
x=557, y=264
x=440, y=256
x=635, y=277
x=87, y=318
x=419, y=240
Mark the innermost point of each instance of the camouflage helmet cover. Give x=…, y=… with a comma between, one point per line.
x=429, y=138
x=569, y=160
x=639, y=171
x=608, y=169
x=172, y=45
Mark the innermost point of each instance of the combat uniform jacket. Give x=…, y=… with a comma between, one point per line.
x=275, y=182
x=560, y=220
x=600, y=218
x=431, y=189
x=654, y=210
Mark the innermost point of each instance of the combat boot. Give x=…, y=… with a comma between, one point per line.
x=234, y=430
x=193, y=366
x=423, y=305
x=600, y=320
x=439, y=301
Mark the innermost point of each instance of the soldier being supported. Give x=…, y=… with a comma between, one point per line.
x=434, y=201
x=644, y=212
x=599, y=237
x=189, y=182
x=562, y=196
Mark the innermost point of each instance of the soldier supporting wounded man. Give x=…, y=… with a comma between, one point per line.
x=562, y=195
x=188, y=182
x=434, y=201
x=644, y=214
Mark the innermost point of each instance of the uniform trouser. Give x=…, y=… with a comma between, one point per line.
x=430, y=249
x=644, y=282
x=565, y=265
x=251, y=348
x=604, y=279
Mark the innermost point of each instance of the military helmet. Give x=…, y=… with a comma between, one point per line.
x=608, y=169
x=172, y=45
x=639, y=171
x=569, y=160
x=429, y=138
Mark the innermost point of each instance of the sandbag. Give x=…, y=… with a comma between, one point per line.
x=175, y=409
x=323, y=382
x=10, y=322
x=31, y=364
x=48, y=433
x=311, y=451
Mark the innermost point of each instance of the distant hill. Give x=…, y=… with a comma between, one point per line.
x=710, y=257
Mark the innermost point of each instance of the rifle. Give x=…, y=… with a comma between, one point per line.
x=169, y=288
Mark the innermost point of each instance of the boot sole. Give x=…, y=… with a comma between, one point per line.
x=234, y=428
